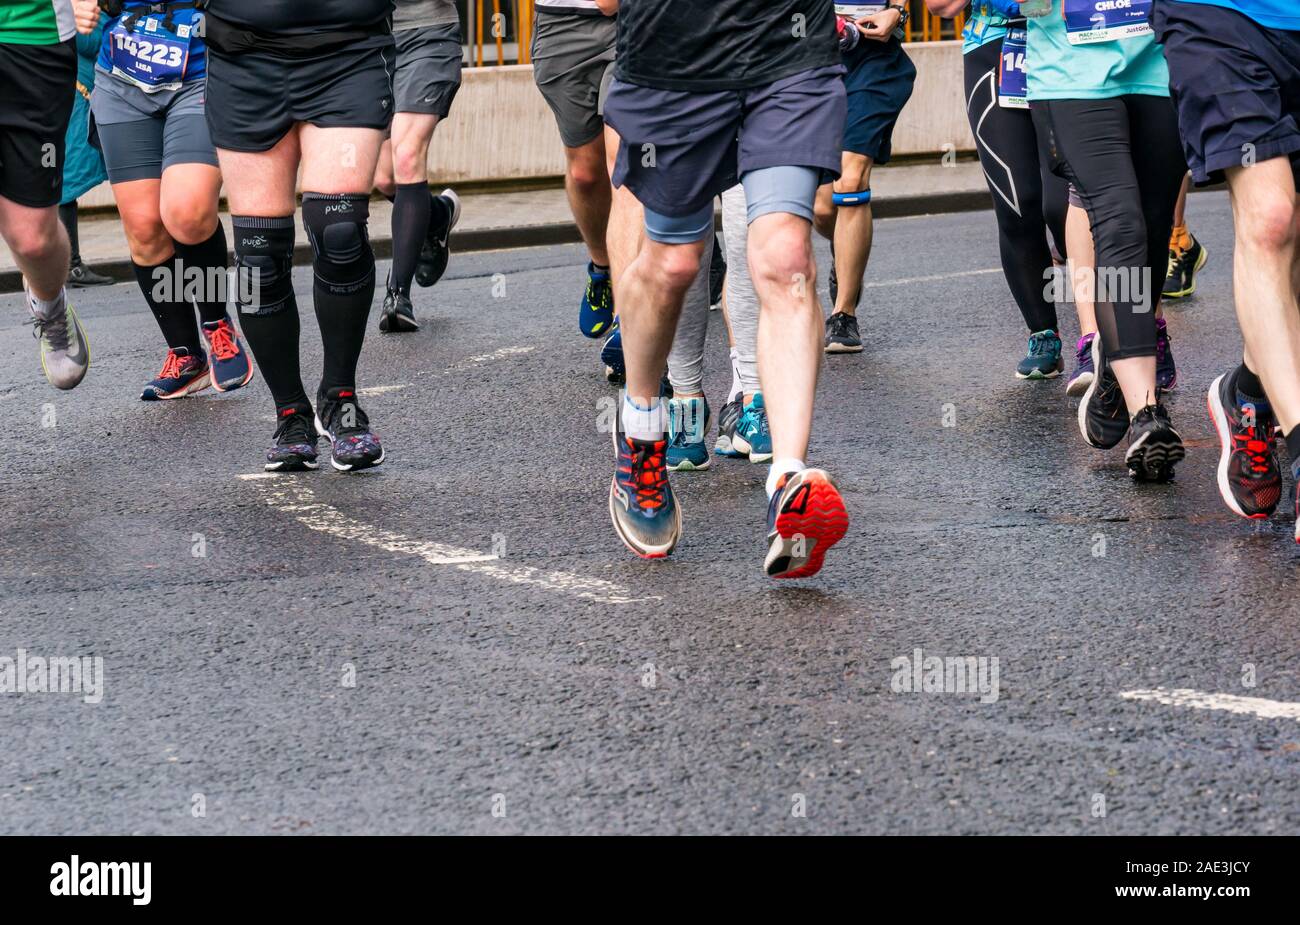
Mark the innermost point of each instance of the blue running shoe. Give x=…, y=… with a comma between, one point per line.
x=752, y=437
x=611, y=354
x=596, y=314
x=1044, y=358
x=688, y=422
x=641, y=503
x=230, y=366
x=181, y=375
x=728, y=418
x=1081, y=378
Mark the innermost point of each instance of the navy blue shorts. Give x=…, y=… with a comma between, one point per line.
x=1236, y=85
x=680, y=149
x=879, y=84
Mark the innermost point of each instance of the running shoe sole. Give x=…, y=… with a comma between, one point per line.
x=1079, y=384
x=1039, y=374
x=687, y=465
x=1152, y=457
x=195, y=385
x=300, y=464
x=843, y=348
x=427, y=281
x=1184, y=293
x=1220, y=418
x=740, y=447
x=395, y=323
x=812, y=519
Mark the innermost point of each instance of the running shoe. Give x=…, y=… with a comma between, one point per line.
x=641, y=503
x=65, y=354
x=611, y=354
x=81, y=276
x=182, y=374
x=1183, y=266
x=1250, y=479
x=295, y=442
x=832, y=280
x=596, y=313
x=688, y=423
x=1044, y=358
x=805, y=518
x=353, y=446
x=842, y=334
x=1154, y=447
x=752, y=436
x=398, y=314
x=435, y=253
x=728, y=418
x=1296, y=490
x=231, y=368
x=1081, y=378
x=717, y=275
x=1103, y=418
x=1166, y=371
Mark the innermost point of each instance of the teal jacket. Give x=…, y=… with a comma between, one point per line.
x=83, y=165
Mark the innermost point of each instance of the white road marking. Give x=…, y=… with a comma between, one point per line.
x=494, y=355
x=381, y=389
x=1201, y=700
x=287, y=494
x=938, y=277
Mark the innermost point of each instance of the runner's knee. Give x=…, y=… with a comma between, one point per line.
x=336, y=225
x=264, y=262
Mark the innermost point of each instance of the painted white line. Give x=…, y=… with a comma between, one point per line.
x=938, y=277
x=381, y=389
x=287, y=494
x=1201, y=700
x=494, y=355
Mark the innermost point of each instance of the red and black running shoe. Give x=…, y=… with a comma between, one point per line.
x=805, y=518
x=1249, y=477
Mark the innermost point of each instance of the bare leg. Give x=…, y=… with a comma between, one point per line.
x=1082, y=265
x=587, y=184
x=853, y=232
x=39, y=243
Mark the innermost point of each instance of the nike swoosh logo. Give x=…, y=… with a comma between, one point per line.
x=80, y=356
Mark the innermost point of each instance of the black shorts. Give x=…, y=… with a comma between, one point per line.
x=254, y=99
x=1236, y=85
x=879, y=84
x=37, y=84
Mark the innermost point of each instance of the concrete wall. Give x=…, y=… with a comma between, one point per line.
x=500, y=128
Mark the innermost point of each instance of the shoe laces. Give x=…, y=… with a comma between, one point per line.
x=1247, y=440
x=53, y=330
x=173, y=366
x=333, y=410
x=1040, y=344
x=841, y=324
x=294, y=428
x=647, y=472
x=222, y=340
x=598, y=295
x=1083, y=353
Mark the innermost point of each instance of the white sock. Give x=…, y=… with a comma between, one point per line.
x=779, y=468
x=641, y=423
x=736, y=388
x=47, y=309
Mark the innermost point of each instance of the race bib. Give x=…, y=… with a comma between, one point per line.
x=1013, y=83
x=150, y=53
x=1089, y=21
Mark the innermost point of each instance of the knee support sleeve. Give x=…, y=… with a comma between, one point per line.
x=860, y=198
x=336, y=226
x=263, y=263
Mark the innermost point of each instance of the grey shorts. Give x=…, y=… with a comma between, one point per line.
x=428, y=69
x=680, y=148
x=573, y=55
x=142, y=134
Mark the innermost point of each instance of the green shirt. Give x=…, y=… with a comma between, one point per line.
x=1059, y=70
x=984, y=26
x=36, y=22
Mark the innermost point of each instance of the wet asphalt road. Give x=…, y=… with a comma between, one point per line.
x=344, y=656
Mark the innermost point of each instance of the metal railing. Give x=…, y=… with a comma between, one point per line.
x=501, y=31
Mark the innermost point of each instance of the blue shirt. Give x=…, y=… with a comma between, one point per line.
x=1271, y=14
x=1059, y=70
x=195, y=67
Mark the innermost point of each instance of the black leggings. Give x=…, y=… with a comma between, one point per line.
x=1028, y=199
x=1124, y=157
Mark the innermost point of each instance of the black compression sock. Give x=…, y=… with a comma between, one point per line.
x=269, y=320
x=344, y=280
x=68, y=215
x=208, y=256
x=163, y=286
x=411, y=214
